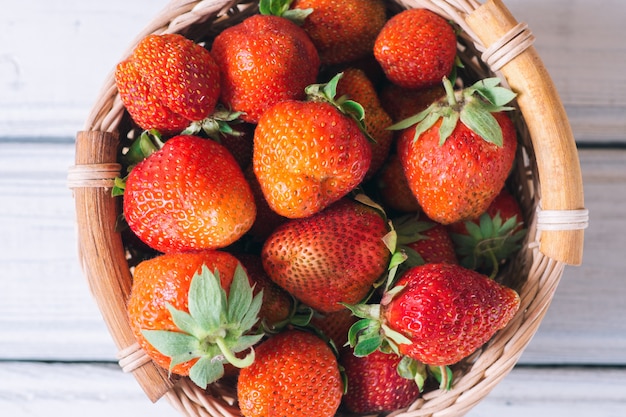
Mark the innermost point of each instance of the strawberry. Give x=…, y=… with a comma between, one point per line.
x=393, y=187
x=189, y=195
x=295, y=373
x=436, y=314
x=424, y=240
x=345, y=30
x=191, y=313
x=459, y=154
x=168, y=82
x=331, y=257
x=355, y=84
x=335, y=325
x=266, y=219
x=401, y=103
x=309, y=154
x=374, y=384
x=486, y=242
x=263, y=60
x=416, y=48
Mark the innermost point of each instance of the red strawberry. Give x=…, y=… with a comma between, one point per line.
x=263, y=60
x=374, y=385
x=459, y=155
x=168, y=82
x=331, y=257
x=355, y=85
x=295, y=374
x=424, y=240
x=334, y=325
x=486, y=242
x=185, y=315
x=393, y=187
x=416, y=48
x=189, y=195
x=345, y=30
x=309, y=154
x=267, y=220
x=401, y=102
x=438, y=314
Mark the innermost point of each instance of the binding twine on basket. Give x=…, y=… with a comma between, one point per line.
x=132, y=358
x=513, y=43
x=562, y=219
x=93, y=176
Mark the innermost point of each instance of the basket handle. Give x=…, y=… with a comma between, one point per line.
x=557, y=157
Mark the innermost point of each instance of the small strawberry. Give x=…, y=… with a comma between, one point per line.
x=374, y=384
x=416, y=48
x=436, y=314
x=345, y=30
x=459, y=155
x=168, y=82
x=295, y=373
x=191, y=313
x=485, y=243
x=189, y=195
x=401, y=103
x=355, y=84
x=332, y=257
x=424, y=240
x=335, y=325
x=263, y=60
x=393, y=187
x=309, y=154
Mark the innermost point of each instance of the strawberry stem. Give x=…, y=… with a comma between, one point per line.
x=230, y=356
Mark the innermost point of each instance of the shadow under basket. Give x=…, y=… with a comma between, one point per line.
x=546, y=180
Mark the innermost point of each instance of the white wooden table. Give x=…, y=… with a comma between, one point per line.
x=56, y=357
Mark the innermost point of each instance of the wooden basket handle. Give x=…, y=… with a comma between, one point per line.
x=556, y=154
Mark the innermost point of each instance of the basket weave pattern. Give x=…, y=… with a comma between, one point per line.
x=555, y=219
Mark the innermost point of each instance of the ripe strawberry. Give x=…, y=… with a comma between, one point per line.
x=189, y=195
x=458, y=156
x=309, y=154
x=267, y=220
x=438, y=314
x=191, y=312
x=401, y=103
x=345, y=30
x=424, y=240
x=374, y=385
x=330, y=257
x=487, y=242
x=416, y=48
x=355, y=84
x=335, y=325
x=295, y=373
x=393, y=187
x=277, y=303
x=168, y=82
x=263, y=60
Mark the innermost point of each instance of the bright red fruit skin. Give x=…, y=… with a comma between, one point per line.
x=458, y=180
x=190, y=195
x=447, y=312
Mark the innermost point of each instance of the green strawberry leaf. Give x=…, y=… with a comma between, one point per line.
x=481, y=121
x=488, y=89
x=205, y=371
x=443, y=375
x=207, y=298
x=171, y=343
x=184, y=321
x=412, y=369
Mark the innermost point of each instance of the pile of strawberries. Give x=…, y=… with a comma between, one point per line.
x=317, y=206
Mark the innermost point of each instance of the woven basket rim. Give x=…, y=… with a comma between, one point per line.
x=96, y=166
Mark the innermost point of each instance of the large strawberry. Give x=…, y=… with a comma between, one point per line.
x=191, y=313
x=416, y=48
x=345, y=30
x=168, y=82
x=459, y=154
x=189, y=195
x=374, y=384
x=263, y=60
x=329, y=258
x=309, y=154
x=436, y=314
x=295, y=374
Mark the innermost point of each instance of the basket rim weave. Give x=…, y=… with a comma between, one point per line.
x=555, y=223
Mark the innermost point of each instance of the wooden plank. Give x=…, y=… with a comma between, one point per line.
x=32, y=105
x=101, y=390
x=45, y=297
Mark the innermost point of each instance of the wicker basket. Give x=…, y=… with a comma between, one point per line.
x=547, y=181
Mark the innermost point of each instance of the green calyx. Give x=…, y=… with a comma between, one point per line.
x=216, y=125
x=473, y=106
x=214, y=330
x=327, y=92
x=145, y=145
x=282, y=8
x=412, y=369
x=410, y=229
x=489, y=243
